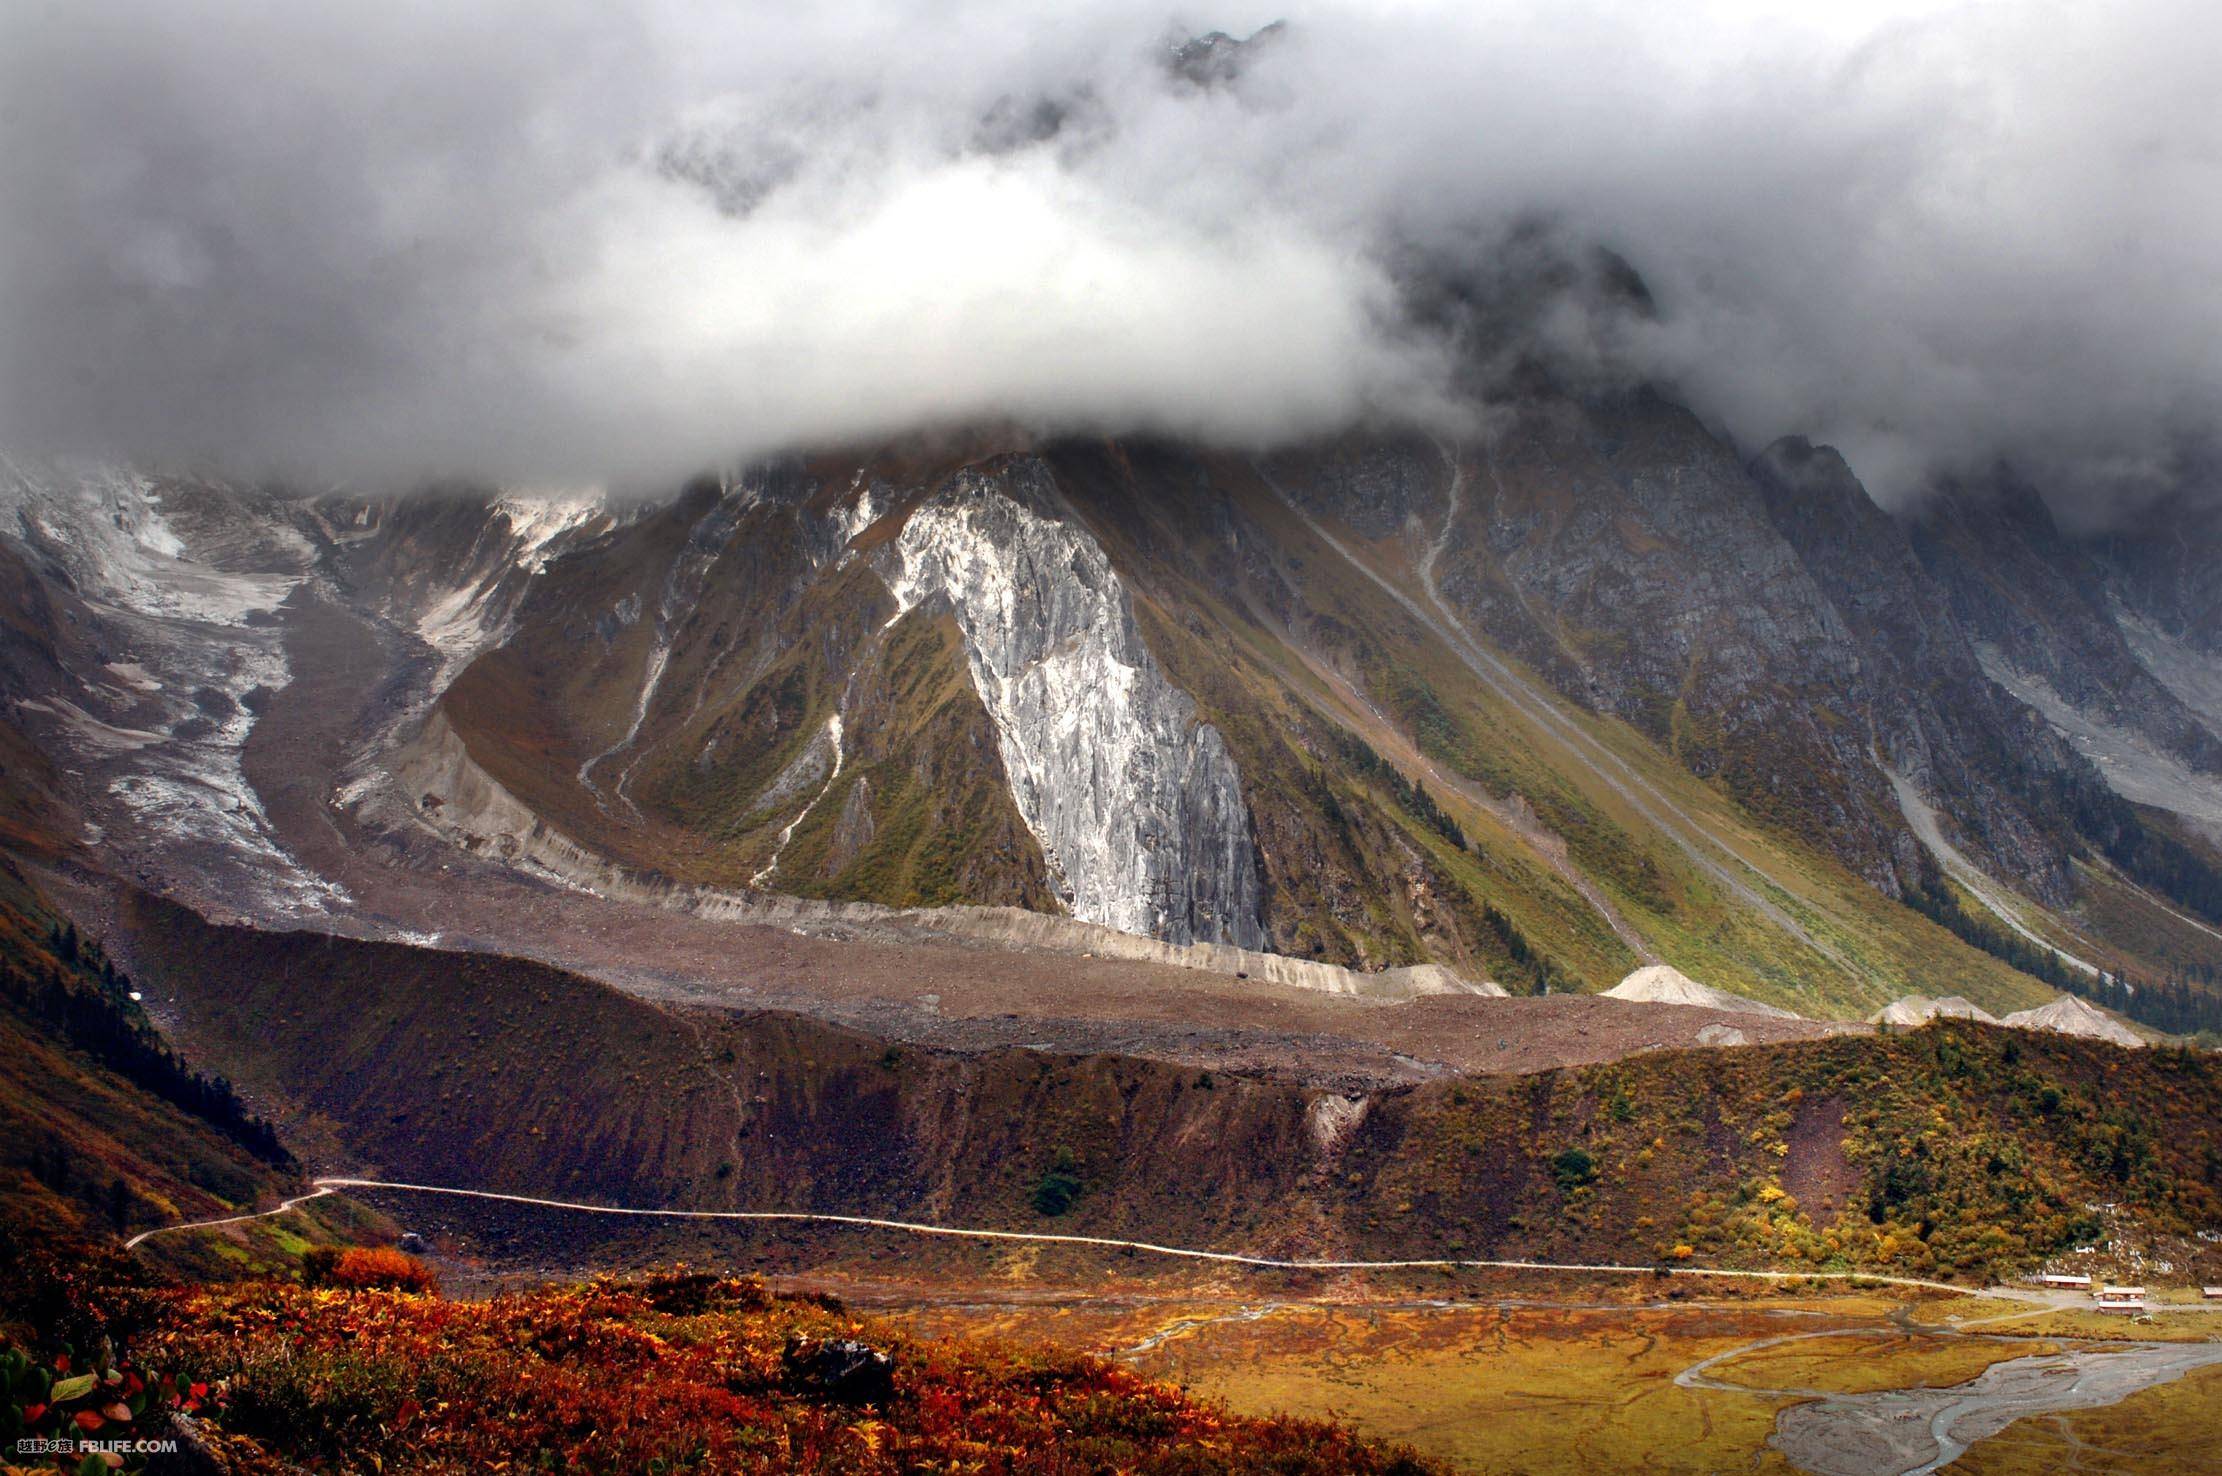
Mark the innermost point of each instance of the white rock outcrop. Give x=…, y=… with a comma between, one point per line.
x=2068, y=1015
x=1663, y=984
x=1920, y=1009
x=1137, y=805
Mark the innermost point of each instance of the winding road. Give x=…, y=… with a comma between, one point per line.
x=1910, y=1432
x=323, y=1186
x=318, y=1192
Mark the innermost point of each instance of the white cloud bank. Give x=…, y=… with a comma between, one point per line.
x=568, y=241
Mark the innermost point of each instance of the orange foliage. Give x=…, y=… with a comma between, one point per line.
x=367, y=1267
x=692, y=1373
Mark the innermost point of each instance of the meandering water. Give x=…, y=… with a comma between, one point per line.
x=1913, y=1432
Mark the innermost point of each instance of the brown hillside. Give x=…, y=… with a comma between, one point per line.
x=91, y=1141
x=1959, y=1149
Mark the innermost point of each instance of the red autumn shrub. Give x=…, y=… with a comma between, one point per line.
x=368, y=1267
x=599, y=1377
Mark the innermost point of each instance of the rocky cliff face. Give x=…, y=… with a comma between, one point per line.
x=1623, y=527
x=2038, y=603
x=1590, y=695
x=1137, y=804
x=1929, y=710
x=1623, y=553
x=2164, y=570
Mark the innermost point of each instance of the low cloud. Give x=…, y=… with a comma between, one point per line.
x=568, y=242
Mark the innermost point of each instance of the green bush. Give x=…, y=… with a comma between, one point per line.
x=1055, y=1193
x=1060, y=1186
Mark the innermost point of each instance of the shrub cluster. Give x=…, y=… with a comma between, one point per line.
x=365, y=1267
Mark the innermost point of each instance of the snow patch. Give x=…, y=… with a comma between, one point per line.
x=538, y=521
x=870, y=502
x=528, y=530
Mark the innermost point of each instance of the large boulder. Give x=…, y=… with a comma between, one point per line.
x=839, y=1370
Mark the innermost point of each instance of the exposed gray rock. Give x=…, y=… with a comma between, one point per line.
x=1624, y=552
x=2068, y=1015
x=2024, y=588
x=1981, y=760
x=1136, y=804
x=2163, y=565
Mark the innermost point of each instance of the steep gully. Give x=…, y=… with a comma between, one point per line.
x=1384, y=733
x=1922, y=817
x=787, y=832
x=674, y=605
x=1681, y=829
x=658, y=658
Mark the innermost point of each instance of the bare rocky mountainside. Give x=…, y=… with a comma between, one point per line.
x=1524, y=714
x=1339, y=851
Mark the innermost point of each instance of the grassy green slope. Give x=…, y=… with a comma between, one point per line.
x=921, y=814
x=1291, y=640
x=1951, y=1149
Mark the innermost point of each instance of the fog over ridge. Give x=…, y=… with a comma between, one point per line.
x=565, y=242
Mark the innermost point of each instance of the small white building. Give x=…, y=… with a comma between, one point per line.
x=2121, y=1299
x=2211, y=1293
x=2057, y=1278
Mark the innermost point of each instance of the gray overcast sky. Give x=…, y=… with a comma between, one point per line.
x=562, y=242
